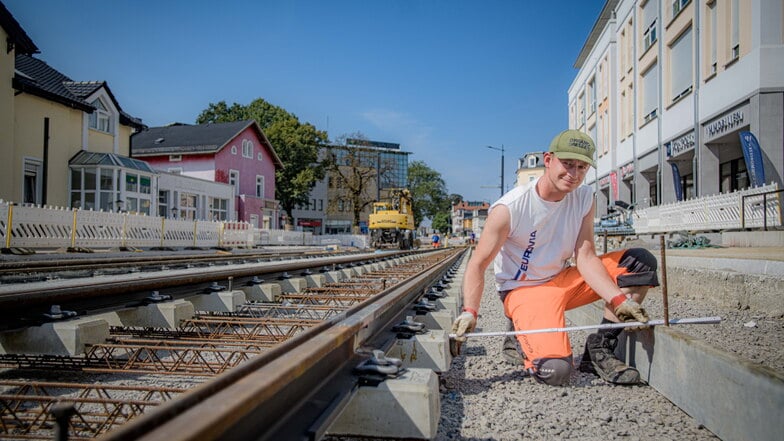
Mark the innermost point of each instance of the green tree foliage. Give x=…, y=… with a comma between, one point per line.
x=442, y=221
x=295, y=143
x=429, y=194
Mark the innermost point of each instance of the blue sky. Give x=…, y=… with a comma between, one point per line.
x=442, y=78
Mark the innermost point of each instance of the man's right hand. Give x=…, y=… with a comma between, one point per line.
x=464, y=323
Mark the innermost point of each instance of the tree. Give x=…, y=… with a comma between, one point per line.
x=354, y=174
x=429, y=194
x=296, y=144
x=442, y=221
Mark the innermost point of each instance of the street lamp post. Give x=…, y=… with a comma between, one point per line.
x=502, y=165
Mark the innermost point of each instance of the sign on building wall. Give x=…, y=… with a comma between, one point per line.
x=726, y=123
x=680, y=145
x=627, y=170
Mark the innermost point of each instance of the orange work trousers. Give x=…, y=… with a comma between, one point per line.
x=543, y=306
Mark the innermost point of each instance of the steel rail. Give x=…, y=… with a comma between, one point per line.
x=75, y=263
x=295, y=389
x=32, y=300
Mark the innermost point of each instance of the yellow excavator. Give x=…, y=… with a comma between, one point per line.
x=392, y=222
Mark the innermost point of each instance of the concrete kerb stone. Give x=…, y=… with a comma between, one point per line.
x=707, y=383
x=427, y=351
x=224, y=301
x=406, y=407
x=60, y=338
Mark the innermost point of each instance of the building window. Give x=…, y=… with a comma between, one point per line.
x=188, y=206
x=681, y=66
x=650, y=97
x=33, y=178
x=100, y=119
x=247, y=148
x=144, y=184
x=163, y=203
x=108, y=196
x=735, y=30
x=592, y=89
x=131, y=182
x=733, y=176
x=175, y=158
x=677, y=6
x=259, y=156
x=649, y=16
x=219, y=209
x=713, y=39
x=259, y=186
x=531, y=161
x=234, y=150
x=234, y=181
x=175, y=170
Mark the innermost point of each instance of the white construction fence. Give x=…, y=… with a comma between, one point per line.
x=35, y=227
x=758, y=207
x=26, y=226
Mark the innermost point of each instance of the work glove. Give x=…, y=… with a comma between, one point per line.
x=464, y=323
x=631, y=311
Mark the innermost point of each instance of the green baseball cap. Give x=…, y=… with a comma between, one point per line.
x=573, y=144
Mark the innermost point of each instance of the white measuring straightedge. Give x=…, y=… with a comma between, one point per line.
x=683, y=321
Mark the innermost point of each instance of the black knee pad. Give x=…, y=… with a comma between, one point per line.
x=553, y=371
x=641, y=265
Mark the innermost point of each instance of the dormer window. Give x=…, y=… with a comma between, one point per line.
x=100, y=118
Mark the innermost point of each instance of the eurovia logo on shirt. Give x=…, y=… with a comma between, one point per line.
x=525, y=258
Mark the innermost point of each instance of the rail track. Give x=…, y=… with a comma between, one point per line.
x=28, y=269
x=279, y=369
x=288, y=366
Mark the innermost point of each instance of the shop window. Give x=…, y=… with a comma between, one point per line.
x=733, y=176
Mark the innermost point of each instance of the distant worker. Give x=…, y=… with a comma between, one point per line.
x=472, y=240
x=435, y=240
x=531, y=232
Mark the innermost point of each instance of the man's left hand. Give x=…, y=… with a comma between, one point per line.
x=631, y=311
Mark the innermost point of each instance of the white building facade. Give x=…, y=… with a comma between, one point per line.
x=668, y=89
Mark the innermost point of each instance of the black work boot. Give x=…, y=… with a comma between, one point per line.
x=599, y=359
x=511, y=348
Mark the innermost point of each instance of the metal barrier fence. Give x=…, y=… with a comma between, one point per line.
x=750, y=208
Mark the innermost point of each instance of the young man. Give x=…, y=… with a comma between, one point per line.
x=532, y=232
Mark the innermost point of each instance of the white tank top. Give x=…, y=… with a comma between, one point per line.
x=542, y=235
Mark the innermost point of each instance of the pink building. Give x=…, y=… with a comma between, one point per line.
x=237, y=153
